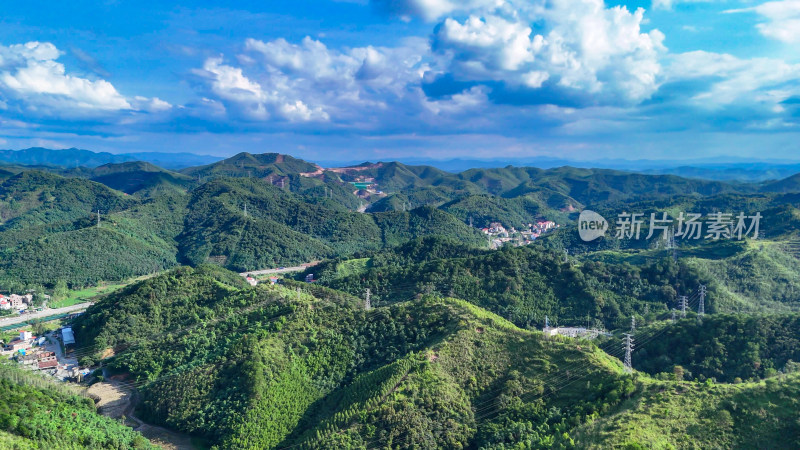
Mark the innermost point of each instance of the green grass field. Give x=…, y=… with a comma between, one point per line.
x=86, y=294
x=83, y=295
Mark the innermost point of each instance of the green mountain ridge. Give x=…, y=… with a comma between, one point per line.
x=302, y=366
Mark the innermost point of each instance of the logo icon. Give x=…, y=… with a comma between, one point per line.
x=591, y=225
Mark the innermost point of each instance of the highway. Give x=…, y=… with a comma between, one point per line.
x=299, y=268
x=43, y=314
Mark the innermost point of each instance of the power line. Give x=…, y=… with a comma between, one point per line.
x=492, y=403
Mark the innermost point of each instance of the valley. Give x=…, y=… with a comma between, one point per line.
x=262, y=302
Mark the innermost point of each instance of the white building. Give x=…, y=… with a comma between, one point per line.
x=572, y=332
x=68, y=336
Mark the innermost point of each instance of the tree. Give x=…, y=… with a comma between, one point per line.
x=39, y=328
x=60, y=291
x=678, y=372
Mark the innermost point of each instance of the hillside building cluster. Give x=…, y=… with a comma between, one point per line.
x=42, y=354
x=500, y=235
x=30, y=351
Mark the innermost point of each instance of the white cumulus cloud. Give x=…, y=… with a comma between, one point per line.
x=30, y=73
x=254, y=101
x=34, y=82
x=782, y=19
x=579, y=45
x=764, y=82
x=307, y=81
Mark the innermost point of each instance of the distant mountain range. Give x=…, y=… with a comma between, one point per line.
x=731, y=169
x=73, y=157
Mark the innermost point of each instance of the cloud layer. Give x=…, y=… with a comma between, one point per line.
x=526, y=69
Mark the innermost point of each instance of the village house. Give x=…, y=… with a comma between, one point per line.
x=544, y=226
x=17, y=345
x=13, y=301
x=23, y=342
x=28, y=359
x=47, y=360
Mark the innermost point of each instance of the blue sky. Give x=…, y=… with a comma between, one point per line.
x=378, y=79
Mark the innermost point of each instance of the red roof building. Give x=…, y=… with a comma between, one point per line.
x=49, y=362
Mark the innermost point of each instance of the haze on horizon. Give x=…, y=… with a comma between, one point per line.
x=355, y=80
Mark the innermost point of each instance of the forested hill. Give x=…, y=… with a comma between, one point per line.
x=308, y=367
x=48, y=226
x=522, y=284
x=140, y=177
x=39, y=413
x=607, y=288
x=282, y=227
x=727, y=348
x=790, y=184
x=250, y=165
x=43, y=198
x=275, y=210
x=272, y=367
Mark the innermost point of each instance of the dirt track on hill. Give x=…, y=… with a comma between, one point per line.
x=118, y=400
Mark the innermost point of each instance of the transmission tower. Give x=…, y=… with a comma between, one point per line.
x=673, y=314
x=671, y=244
x=546, y=322
x=628, y=351
x=367, y=304
x=701, y=308
x=245, y=209
x=633, y=324
x=98, y=218
x=670, y=238
x=683, y=304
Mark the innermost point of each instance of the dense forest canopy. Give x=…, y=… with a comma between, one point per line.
x=304, y=365
x=419, y=329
